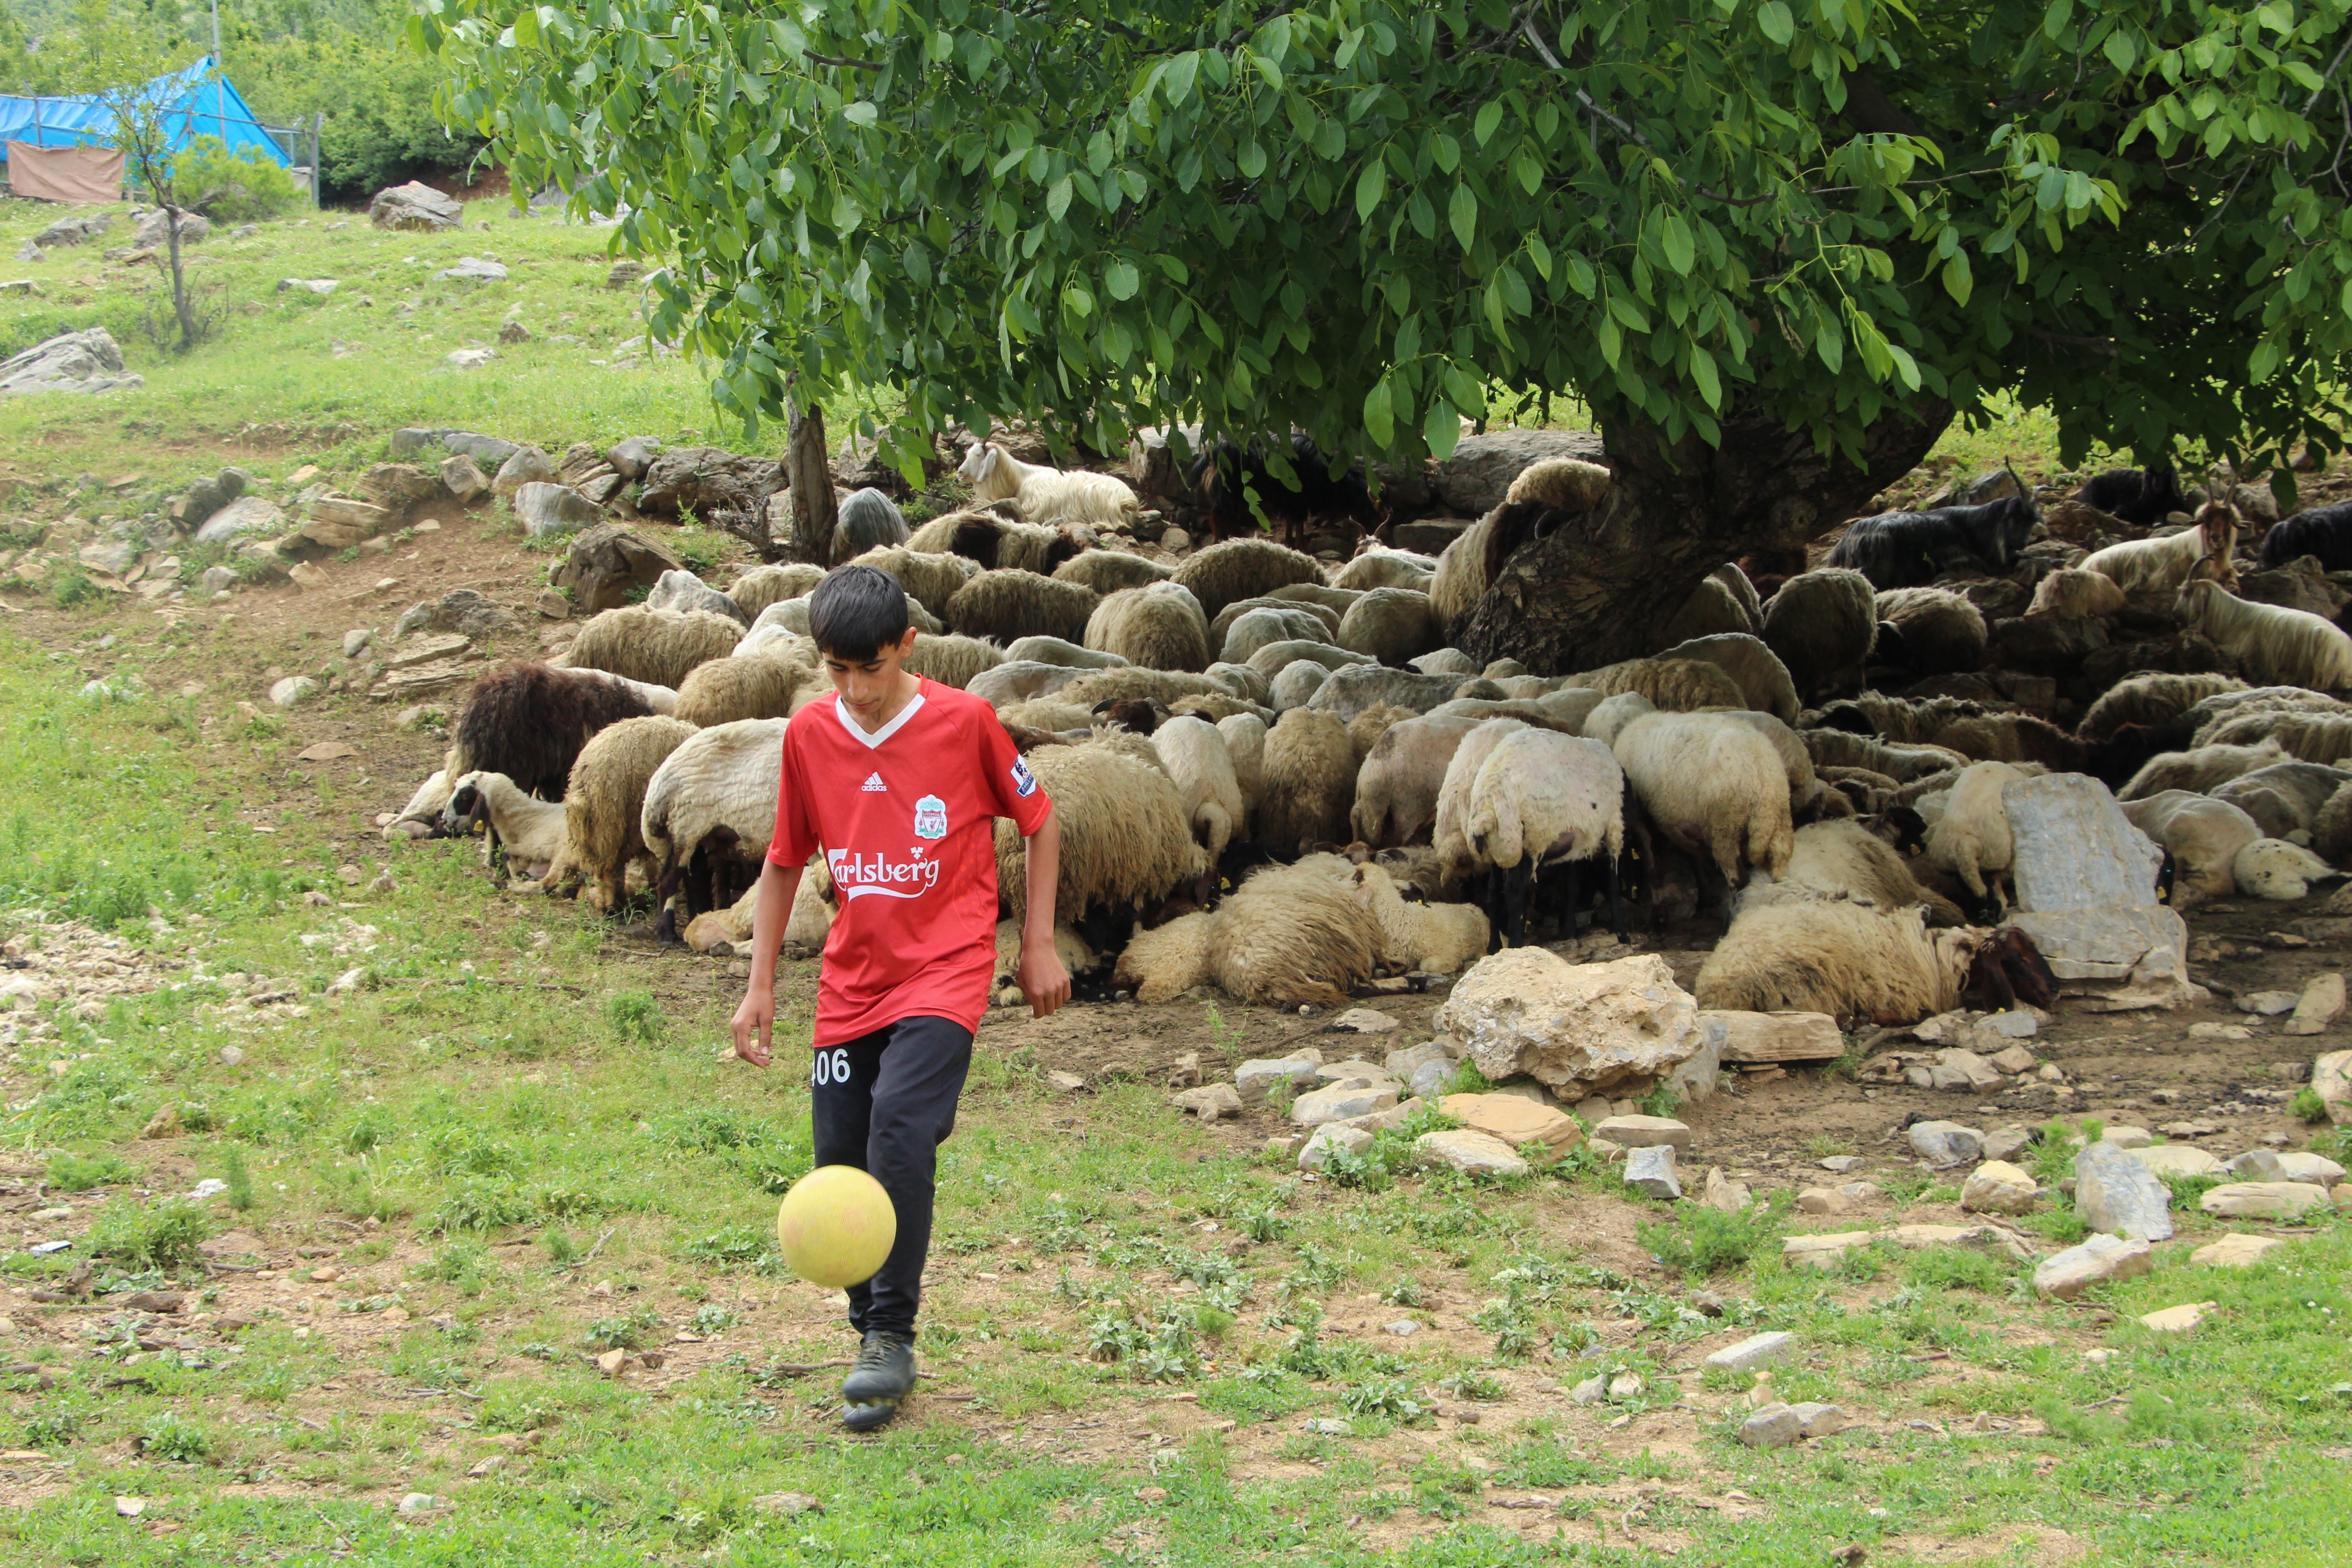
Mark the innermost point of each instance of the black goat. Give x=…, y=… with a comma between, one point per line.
x=2322, y=530
x=1231, y=477
x=2009, y=969
x=2138, y=495
x=528, y=721
x=1912, y=548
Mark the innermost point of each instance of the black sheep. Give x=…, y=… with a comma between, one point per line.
x=2322, y=530
x=1230, y=478
x=2137, y=496
x=528, y=721
x=1912, y=548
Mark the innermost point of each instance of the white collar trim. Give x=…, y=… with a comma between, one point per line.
x=873, y=741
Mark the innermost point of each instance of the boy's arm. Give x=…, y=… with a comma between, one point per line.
x=1043, y=979
x=755, y=1019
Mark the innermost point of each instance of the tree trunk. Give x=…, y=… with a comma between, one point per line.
x=179, y=279
x=809, y=473
x=1600, y=590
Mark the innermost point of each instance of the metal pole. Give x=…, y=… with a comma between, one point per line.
x=318, y=128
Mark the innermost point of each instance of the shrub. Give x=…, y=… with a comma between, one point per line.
x=161, y=1234
x=80, y=1172
x=635, y=1018
x=232, y=187
x=171, y=1435
x=1702, y=1240
x=2309, y=1106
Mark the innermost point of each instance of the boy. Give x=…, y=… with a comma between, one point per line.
x=899, y=779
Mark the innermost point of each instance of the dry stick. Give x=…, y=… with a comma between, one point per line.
x=584, y=1259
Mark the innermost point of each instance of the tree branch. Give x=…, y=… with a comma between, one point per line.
x=842, y=61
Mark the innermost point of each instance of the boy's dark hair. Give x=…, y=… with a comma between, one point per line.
x=857, y=611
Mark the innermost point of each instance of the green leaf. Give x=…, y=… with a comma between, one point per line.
x=859, y=113
x=1675, y=237
x=1580, y=275
x=1379, y=419
x=1058, y=200
x=2264, y=361
x=1490, y=115
x=1540, y=253
x=1703, y=376
x=1176, y=77
x=1462, y=214
x=1120, y=279
x=1957, y=279
x=1772, y=17
x=1250, y=159
x=1370, y=186
x=1442, y=429
x=526, y=29
x=2054, y=20
x=2120, y=50
x=1829, y=343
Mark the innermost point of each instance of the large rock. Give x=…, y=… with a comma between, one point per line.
x=246, y=515
x=1329, y=1140
x=462, y=477
x=1643, y=1131
x=2331, y=1079
x=1755, y=1353
x=1651, y=1171
x=632, y=458
x=546, y=508
x=1944, y=1144
x=461, y=611
x=2087, y=886
x=338, y=522
x=1582, y=1026
x=473, y=269
x=2066, y=1274
x=151, y=232
x=1998, y=1187
x=1342, y=1101
x=1515, y=1119
x=1470, y=1152
x=2264, y=1200
x=2119, y=1195
x=417, y=206
x=86, y=360
x=1778, y=1036
x=607, y=561
x=2236, y=1250
x=2322, y=1004
x=2177, y=1159
x=397, y=487
x=524, y=465
x=487, y=451
x=78, y=231
x=706, y=478
x=1474, y=480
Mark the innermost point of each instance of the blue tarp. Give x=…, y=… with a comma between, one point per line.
x=194, y=107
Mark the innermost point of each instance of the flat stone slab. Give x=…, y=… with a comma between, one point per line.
x=2066, y=1274
x=427, y=649
x=2237, y=1251
x=2264, y=1200
x=1471, y=1152
x=1777, y=1037
x=1515, y=1119
x=1643, y=1131
x=1757, y=1350
x=1340, y=1103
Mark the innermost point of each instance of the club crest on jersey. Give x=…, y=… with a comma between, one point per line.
x=931, y=817
x=1024, y=782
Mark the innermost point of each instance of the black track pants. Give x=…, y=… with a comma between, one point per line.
x=885, y=1102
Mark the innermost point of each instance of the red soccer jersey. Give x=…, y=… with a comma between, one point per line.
x=907, y=818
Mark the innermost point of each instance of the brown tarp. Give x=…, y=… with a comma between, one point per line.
x=66, y=174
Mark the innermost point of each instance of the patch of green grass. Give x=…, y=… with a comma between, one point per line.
x=1699, y=1241
x=161, y=1233
x=80, y=1172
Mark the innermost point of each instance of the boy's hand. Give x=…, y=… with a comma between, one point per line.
x=755, y=1023
x=1043, y=979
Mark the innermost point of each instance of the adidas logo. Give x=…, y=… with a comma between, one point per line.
x=873, y=784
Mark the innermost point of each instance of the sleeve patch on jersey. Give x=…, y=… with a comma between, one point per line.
x=1024, y=782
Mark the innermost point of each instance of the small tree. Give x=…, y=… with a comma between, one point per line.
x=129, y=70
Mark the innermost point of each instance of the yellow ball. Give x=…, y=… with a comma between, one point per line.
x=836, y=1225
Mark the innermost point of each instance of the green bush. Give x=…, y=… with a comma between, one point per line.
x=635, y=1016
x=80, y=1172
x=232, y=187
x=150, y=1235
x=1702, y=1240
x=171, y=1435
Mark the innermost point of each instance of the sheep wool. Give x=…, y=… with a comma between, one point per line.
x=1069, y=655
x=1245, y=735
x=1429, y=939
x=1193, y=753
x=2150, y=700
x=1563, y=484
x=1823, y=625
x=529, y=832
x=1266, y=626
x=529, y=720
x=421, y=815
x=1676, y=684
x=1125, y=837
x=1158, y=627
x=1293, y=935
x=1318, y=593
x=2285, y=797
x=2275, y=869
x=1902, y=763
x=1306, y=783
x=1378, y=568
x=2200, y=770
x=1943, y=632
x=1846, y=959
x=2208, y=717
x=652, y=646
x=1108, y=570
x=715, y=795
x=1243, y=569
x=1449, y=834
x=726, y=689
x=605, y=803
x=1846, y=860
x=2203, y=837
x=1366, y=727
x=1162, y=964
x=1159, y=685
x=1391, y=625
x=931, y=578
x=679, y=591
x=1971, y=839
x=1006, y=605
x=1044, y=494
x=2073, y=592
x=1763, y=680
x=2161, y=565
x=1461, y=577
x=1547, y=798
x=953, y=660
x=2270, y=643
x=755, y=589
x=1313, y=620
x=1712, y=609
x=1295, y=684
x=867, y=519
x=1713, y=786
x=1397, y=782
x=1048, y=713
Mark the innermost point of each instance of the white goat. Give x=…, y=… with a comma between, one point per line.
x=2272, y=644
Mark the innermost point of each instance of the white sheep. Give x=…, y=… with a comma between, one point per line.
x=2270, y=643
x=1193, y=753
x=1714, y=788
x=525, y=831
x=715, y=793
x=2203, y=837
x=1846, y=860
x=1449, y=831
x=1971, y=839
x=421, y=817
x=2274, y=868
x=1244, y=736
x=1546, y=800
x=1044, y=494
x=1433, y=939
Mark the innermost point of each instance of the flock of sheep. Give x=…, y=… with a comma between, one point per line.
x=1278, y=778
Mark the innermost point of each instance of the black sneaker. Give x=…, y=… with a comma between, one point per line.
x=882, y=1377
